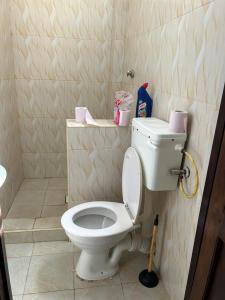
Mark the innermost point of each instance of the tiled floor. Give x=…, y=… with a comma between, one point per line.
x=36, y=211
x=45, y=271
x=39, y=198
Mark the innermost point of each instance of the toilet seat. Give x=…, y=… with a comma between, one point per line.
x=122, y=216
x=123, y=222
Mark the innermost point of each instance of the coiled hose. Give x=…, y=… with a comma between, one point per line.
x=196, y=178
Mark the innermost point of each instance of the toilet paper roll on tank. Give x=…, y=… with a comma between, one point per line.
x=82, y=115
x=178, y=121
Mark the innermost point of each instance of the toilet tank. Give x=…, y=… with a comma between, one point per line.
x=155, y=144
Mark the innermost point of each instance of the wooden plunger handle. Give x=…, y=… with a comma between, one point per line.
x=153, y=244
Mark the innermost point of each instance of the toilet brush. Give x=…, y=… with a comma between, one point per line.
x=148, y=277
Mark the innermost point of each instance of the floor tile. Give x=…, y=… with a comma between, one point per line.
x=18, y=224
x=18, y=237
x=138, y=291
x=57, y=184
x=50, y=222
x=18, y=297
x=34, y=184
x=131, y=264
x=49, y=235
x=19, y=250
x=55, y=197
x=29, y=197
x=43, y=248
x=25, y=210
x=78, y=283
x=18, y=268
x=48, y=273
x=100, y=293
x=53, y=210
x=60, y=295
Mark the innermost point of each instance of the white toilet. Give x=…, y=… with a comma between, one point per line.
x=103, y=230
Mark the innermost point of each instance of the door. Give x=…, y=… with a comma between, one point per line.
x=207, y=272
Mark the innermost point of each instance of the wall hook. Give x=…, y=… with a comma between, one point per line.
x=130, y=73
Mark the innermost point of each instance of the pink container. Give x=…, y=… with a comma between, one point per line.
x=116, y=116
x=124, y=118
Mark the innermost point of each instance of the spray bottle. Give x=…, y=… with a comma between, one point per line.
x=144, y=103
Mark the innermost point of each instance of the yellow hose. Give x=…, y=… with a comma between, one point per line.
x=196, y=185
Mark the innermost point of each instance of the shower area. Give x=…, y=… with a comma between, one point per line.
x=55, y=55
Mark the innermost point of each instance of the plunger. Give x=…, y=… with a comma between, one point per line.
x=148, y=277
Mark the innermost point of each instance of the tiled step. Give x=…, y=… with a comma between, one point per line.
x=34, y=235
x=33, y=230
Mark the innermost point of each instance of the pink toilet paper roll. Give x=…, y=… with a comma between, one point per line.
x=124, y=118
x=178, y=121
x=80, y=114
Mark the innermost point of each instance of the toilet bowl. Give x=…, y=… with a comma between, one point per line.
x=103, y=230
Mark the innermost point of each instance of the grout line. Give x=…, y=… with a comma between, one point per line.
x=142, y=34
x=122, y=290
x=27, y=274
x=33, y=230
x=43, y=293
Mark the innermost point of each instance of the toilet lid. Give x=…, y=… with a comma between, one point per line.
x=132, y=182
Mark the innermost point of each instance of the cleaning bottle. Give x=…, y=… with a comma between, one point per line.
x=144, y=103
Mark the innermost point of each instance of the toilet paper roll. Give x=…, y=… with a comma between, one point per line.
x=178, y=121
x=124, y=118
x=80, y=114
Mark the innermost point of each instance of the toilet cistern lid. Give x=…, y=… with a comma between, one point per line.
x=132, y=183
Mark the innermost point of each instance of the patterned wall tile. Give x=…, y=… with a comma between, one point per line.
x=119, y=19
x=54, y=135
x=86, y=175
x=100, y=19
x=70, y=18
x=95, y=161
x=85, y=139
x=100, y=60
x=113, y=166
x=34, y=165
x=117, y=61
x=30, y=17
x=32, y=135
x=10, y=147
x=118, y=137
x=55, y=165
x=34, y=57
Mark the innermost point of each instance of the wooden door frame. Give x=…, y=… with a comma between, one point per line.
x=210, y=178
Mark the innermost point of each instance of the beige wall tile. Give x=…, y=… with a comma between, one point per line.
x=95, y=159
x=83, y=139
x=71, y=19
x=55, y=164
x=10, y=147
x=34, y=165
x=30, y=17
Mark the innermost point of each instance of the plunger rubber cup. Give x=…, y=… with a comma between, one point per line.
x=148, y=279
